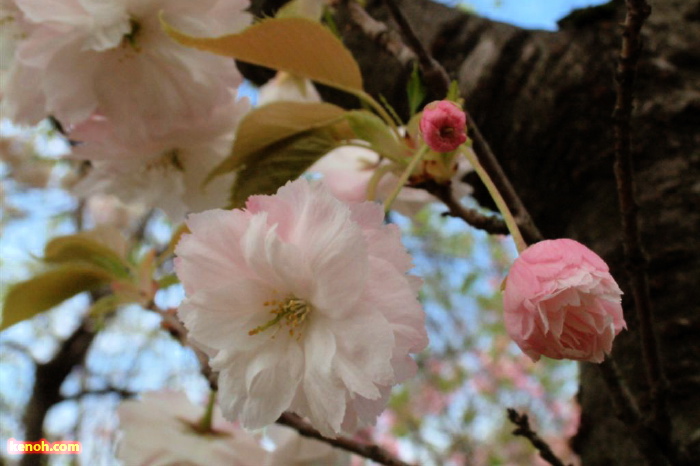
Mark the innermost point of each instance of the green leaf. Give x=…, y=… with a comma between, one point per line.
x=416, y=90
x=453, y=92
x=42, y=292
x=84, y=248
x=286, y=160
x=297, y=45
x=267, y=125
x=107, y=304
x=369, y=127
x=312, y=9
x=168, y=280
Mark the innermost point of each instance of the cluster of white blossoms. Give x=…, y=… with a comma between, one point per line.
x=139, y=104
x=185, y=435
x=304, y=303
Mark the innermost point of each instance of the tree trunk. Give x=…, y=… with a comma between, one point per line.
x=544, y=101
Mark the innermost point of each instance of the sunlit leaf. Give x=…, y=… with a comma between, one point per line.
x=369, y=127
x=107, y=304
x=168, y=280
x=286, y=160
x=42, y=292
x=274, y=122
x=298, y=45
x=311, y=9
x=85, y=248
x=416, y=90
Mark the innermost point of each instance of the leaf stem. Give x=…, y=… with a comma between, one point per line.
x=377, y=107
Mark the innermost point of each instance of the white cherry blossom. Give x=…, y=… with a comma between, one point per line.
x=304, y=303
x=112, y=57
x=163, y=429
x=167, y=172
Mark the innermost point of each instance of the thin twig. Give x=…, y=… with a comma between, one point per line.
x=381, y=34
x=434, y=74
x=489, y=223
x=437, y=78
x=636, y=261
x=524, y=430
x=369, y=451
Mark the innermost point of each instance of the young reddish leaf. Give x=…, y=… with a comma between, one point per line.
x=298, y=45
x=42, y=292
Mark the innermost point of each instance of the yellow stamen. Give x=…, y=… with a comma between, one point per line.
x=291, y=312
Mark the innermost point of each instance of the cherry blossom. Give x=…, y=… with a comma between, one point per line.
x=560, y=301
x=292, y=449
x=287, y=87
x=443, y=126
x=304, y=304
x=163, y=428
x=166, y=172
x=111, y=57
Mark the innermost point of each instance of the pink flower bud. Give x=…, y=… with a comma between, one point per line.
x=443, y=125
x=560, y=301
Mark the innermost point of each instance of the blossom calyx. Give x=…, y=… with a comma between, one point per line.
x=560, y=301
x=443, y=126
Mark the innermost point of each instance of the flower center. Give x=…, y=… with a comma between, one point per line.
x=447, y=132
x=167, y=159
x=292, y=312
x=130, y=39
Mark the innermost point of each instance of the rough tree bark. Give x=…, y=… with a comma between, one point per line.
x=544, y=101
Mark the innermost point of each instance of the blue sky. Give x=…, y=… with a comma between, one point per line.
x=533, y=14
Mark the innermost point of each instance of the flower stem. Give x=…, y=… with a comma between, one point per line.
x=373, y=184
x=405, y=176
x=498, y=199
x=206, y=422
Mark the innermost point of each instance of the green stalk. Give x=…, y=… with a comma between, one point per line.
x=498, y=199
x=205, y=424
x=377, y=107
x=377, y=176
x=405, y=176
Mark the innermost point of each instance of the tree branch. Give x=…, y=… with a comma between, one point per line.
x=369, y=451
x=524, y=430
x=437, y=78
x=636, y=261
x=489, y=223
x=381, y=34
x=434, y=74
x=47, y=385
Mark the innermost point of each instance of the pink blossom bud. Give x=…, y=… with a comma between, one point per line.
x=443, y=125
x=560, y=301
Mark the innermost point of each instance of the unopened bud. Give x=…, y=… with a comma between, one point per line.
x=443, y=126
